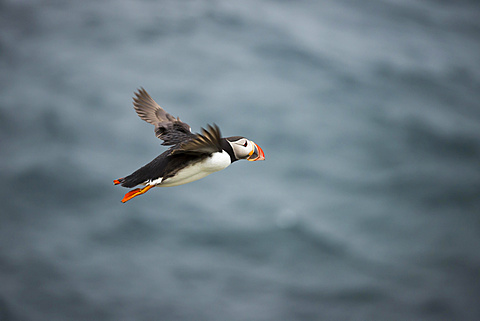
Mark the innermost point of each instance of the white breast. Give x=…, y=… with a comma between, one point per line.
x=209, y=165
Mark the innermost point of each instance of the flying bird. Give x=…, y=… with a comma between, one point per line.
x=190, y=157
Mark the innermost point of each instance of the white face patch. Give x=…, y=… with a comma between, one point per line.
x=242, y=148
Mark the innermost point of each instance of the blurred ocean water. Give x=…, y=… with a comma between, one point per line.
x=366, y=208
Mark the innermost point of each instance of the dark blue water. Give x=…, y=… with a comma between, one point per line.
x=367, y=207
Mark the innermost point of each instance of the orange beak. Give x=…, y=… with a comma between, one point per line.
x=256, y=153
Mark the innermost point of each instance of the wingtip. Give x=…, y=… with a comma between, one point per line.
x=139, y=92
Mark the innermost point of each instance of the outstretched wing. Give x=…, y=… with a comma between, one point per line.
x=168, y=128
x=208, y=142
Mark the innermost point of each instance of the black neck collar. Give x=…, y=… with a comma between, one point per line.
x=228, y=148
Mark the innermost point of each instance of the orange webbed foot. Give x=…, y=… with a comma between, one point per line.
x=135, y=192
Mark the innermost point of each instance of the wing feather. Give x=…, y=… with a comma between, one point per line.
x=208, y=142
x=175, y=132
x=148, y=109
x=168, y=128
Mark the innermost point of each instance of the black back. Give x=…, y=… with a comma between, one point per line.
x=165, y=165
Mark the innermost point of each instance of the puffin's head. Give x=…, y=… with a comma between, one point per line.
x=245, y=149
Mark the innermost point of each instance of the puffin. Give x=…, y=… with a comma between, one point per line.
x=192, y=156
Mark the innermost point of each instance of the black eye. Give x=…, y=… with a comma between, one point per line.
x=246, y=143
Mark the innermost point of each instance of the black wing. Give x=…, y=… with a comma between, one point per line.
x=208, y=142
x=168, y=128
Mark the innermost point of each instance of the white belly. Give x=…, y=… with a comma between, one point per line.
x=191, y=173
